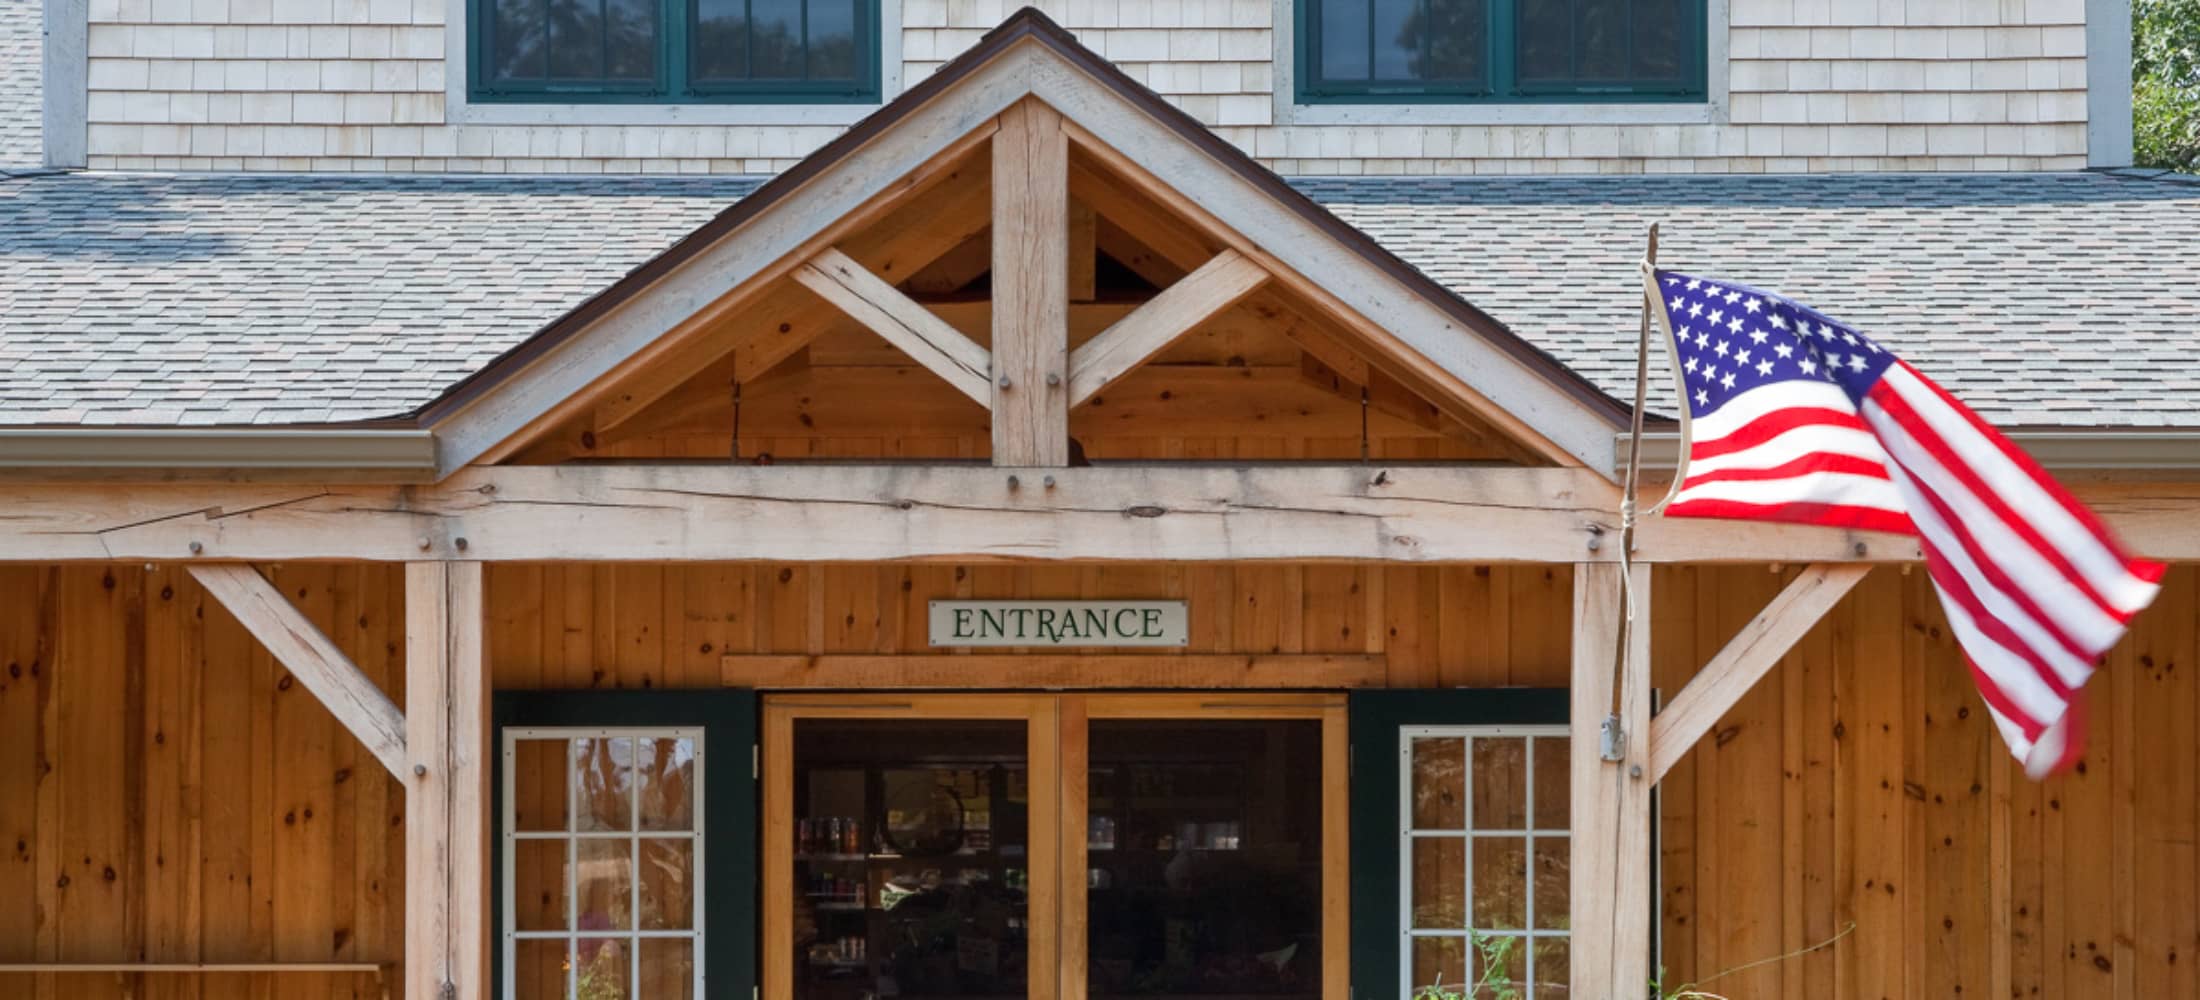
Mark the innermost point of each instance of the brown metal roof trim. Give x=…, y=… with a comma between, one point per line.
x=1025, y=23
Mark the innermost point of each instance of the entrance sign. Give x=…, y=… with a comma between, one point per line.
x=1059, y=623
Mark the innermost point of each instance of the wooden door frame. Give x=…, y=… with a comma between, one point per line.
x=1043, y=765
x=1058, y=765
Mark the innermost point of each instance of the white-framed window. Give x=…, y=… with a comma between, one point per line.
x=602, y=863
x=1483, y=847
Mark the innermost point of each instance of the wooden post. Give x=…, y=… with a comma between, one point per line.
x=447, y=792
x=1610, y=860
x=1030, y=288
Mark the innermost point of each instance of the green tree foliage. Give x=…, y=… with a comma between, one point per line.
x=2165, y=50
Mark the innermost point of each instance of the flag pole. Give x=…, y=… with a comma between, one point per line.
x=1612, y=739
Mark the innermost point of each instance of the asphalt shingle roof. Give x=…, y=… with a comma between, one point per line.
x=22, y=39
x=2045, y=300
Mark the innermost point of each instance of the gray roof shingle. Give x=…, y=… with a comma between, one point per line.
x=2043, y=300
x=22, y=40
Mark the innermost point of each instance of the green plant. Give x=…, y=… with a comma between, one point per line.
x=1495, y=979
x=1689, y=991
x=2165, y=91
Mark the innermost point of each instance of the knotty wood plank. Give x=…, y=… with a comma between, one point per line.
x=316, y=662
x=1030, y=287
x=1217, y=285
x=926, y=338
x=1754, y=651
x=2166, y=806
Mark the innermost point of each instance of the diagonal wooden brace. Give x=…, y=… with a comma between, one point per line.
x=302, y=649
x=1747, y=658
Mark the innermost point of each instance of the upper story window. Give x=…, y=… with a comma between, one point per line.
x=1501, y=50
x=665, y=51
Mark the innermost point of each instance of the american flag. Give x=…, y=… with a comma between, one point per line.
x=1792, y=416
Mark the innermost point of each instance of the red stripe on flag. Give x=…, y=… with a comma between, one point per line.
x=1959, y=532
x=2144, y=569
x=1769, y=426
x=1898, y=408
x=1953, y=587
x=1825, y=514
x=1817, y=461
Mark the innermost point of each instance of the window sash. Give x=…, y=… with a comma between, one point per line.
x=1499, y=83
x=572, y=934
x=1469, y=833
x=673, y=81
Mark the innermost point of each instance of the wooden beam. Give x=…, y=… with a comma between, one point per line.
x=1056, y=671
x=1030, y=288
x=447, y=794
x=912, y=328
x=1746, y=659
x=1215, y=286
x=358, y=705
x=1402, y=512
x=1610, y=843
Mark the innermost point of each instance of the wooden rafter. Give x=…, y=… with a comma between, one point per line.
x=1030, y=287
x=1215, y=286
x=926, y=338
x=352, y=697
x=1384, y=341
x=650, y=331
x=1746, y=659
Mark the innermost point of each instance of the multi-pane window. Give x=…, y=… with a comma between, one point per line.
x=1501, y=50
x=602, y=858
x=675, y=50
x=1483, y=834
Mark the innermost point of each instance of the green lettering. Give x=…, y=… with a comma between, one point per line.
x=962, y=623
x=1152, y=623
x=1122, y=629
x=1023, y=622
x=990, y=623
x=1046, y=626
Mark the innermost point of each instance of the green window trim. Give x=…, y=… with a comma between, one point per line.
x=1498, y=83
x=727, y=824
x=673, y=83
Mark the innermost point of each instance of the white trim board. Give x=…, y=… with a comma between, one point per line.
x=2108, y=138
x=65, y=81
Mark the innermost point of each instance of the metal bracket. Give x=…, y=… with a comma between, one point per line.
x=1611, y=740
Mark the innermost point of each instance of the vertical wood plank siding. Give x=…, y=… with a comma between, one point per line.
x=167, y=794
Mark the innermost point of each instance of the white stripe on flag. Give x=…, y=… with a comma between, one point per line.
x=1770, y=397
x=2102, y=568
x=2069, y=609
x=1792, y=444
x=1841, y=488
x=2071, y=669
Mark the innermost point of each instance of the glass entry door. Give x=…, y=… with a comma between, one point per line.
x=909, y=847
x=1065, y=846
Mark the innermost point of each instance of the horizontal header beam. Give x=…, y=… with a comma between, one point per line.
x=708, y=513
